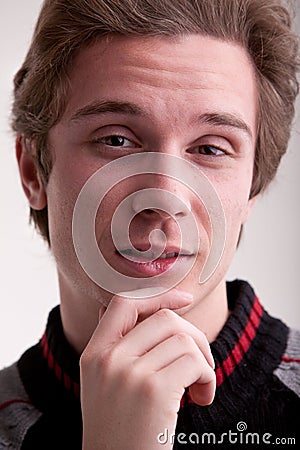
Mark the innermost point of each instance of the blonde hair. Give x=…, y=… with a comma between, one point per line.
x=263, y=27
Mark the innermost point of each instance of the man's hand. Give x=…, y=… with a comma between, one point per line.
x=135, y=369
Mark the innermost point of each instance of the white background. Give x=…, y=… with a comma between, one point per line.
x=268, y=256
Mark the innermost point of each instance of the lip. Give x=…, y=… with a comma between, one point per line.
x=153, y=267
x=167, y=249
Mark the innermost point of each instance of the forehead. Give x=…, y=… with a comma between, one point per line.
x=189, y=71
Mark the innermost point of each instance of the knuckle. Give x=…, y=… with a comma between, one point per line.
x=165, y=314
x=88, y=357
x=149, y=388
x=129, y=376
x=194, y=357
x=185, y=339
x=108, y=357
x=207, y=375
x=99, y=360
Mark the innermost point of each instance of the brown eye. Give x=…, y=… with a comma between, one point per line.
x=116, y=141
x=207, y=150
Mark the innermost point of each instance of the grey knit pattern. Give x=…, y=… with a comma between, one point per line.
x=289, y=371
x=16, y=416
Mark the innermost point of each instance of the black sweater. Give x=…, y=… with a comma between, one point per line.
x=256, y=404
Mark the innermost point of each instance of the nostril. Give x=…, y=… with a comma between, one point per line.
x=164, y=203
x=152, y=211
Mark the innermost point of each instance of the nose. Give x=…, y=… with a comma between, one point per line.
x=161, y=201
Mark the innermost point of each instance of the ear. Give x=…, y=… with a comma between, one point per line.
x=30, y=178
x=248, y=209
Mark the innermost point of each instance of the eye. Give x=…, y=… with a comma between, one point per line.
x=116, y=141
x=207, y=150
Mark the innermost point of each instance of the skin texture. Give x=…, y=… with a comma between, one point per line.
x=139, y=356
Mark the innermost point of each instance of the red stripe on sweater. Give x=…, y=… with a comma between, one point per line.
x=45, y=346
x=67, y=381
x=14, y=400
x=58, y=371
x=288, y=360
x=243, y=344
x=69, y=384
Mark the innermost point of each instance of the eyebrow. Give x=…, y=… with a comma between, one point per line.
x=109, y=106
x=226, y=120
x=105, y=106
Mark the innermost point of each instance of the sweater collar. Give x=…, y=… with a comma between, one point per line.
x=234, y=340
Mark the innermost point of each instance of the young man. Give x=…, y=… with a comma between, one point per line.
x=138, y=103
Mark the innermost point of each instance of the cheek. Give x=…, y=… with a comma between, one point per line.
x=235, y=212
x=236, y=207
x=234, y=192
x=64, y=186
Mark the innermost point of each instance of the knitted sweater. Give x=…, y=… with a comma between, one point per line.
x=256, y=404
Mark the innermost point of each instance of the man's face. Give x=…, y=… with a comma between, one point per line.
x=194, y=98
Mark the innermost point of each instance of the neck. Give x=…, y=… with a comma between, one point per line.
x=210, y=312
x=79, y=315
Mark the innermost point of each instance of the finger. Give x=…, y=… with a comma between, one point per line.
x=167, y=352
x=190, y=372
x=203, y=394
x=122, y=314
x=158, y=328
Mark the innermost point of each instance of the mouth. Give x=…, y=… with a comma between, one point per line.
x=150, y=255
x=150, y=265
